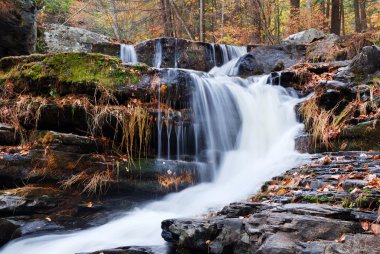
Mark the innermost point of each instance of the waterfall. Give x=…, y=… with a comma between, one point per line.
x=128, y=53
x=231, y=58
x=157, y=60
x=249, y=129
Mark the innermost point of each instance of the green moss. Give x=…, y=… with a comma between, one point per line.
x=69, y=68
x=310, y=199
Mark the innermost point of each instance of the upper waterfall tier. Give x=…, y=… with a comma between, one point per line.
x=185, y=54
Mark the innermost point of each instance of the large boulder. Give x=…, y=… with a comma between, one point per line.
x=304, y=37
x=266, y=59
x=61, y=38
x=364, y=66
x=335, y=48
x=18, y=27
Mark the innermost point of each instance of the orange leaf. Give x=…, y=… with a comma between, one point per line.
x=282, y=192
x=375, y=229
x=365, y=225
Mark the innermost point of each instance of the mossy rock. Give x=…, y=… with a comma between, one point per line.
x=66, y=73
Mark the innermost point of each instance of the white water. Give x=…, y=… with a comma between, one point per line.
x=128, y=53
x=157, y=60
x=231, y=58
x=264, y=147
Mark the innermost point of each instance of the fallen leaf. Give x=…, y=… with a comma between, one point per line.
x=341, y=239
x=375, y=228
x=282, y=192
x=48, y=219
x=89, y=204
x=343, y=146
x=365, y=225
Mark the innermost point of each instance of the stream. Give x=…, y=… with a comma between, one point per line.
x=248, y=127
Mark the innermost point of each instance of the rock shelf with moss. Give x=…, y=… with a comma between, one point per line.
x=63, y=73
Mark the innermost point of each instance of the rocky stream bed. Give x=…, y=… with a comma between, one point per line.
x=80, y=133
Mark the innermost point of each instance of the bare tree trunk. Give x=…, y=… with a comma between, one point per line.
x=222, y=34
x=363, y=14
x=327, y=14
x=180, y=19
x=335, y=17
x=322, y=6
x=114, y=19
x=342, y=17
x=357, y=16
x=201, y=20
x=166, y=15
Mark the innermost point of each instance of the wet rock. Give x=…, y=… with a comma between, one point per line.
x=8, y=135
x=350, y=184
x=331, y=93
x=61, y=38
x=355, y=244
x=128, y=250
x=18, y=27
x=275, y=230
x=67, y=142
x=367, y=62
x=266, y=59
x=176, y=52
x=8, y=231
x=362, y=136
x=11, y=204
x=335, y=48
x=304, y=37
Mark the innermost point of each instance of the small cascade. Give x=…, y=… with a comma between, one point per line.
x=169, y=126
x=196, y=138
x=213, y=53
x=176, y=53
x=159, y=125
x=178, y=128
x=128, y=53
x=231, y=58
x=157, y=60
x=224, y=50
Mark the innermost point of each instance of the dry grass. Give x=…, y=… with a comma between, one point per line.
x=319, y=122
x=96, y=183
x=325, y=125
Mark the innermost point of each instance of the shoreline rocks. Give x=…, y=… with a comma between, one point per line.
x=298, y=212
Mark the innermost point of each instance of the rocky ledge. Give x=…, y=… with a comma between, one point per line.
x=327, y=206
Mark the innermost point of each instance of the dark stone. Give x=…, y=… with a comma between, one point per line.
x=18, y=27
x=266, y=59
x=181, y=53
x=367, y=61
x=8, y=135
x=8, y=231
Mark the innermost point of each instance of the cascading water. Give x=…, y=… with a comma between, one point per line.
x=157, y=60
x=249, y=128
x=231, y=58
x=128, y=53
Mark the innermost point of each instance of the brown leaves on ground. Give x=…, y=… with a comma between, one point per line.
x=372, y=228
